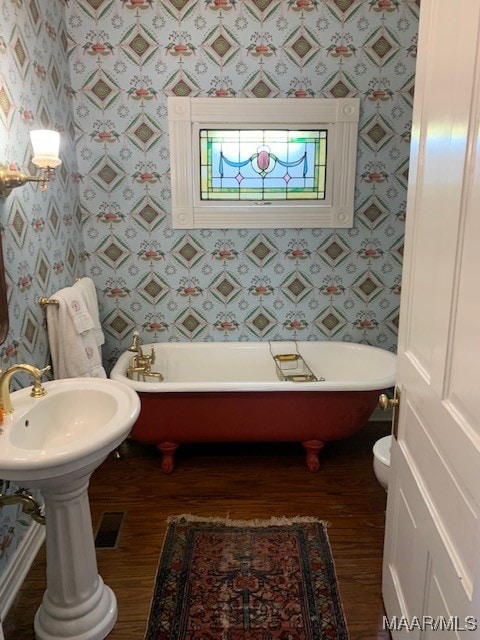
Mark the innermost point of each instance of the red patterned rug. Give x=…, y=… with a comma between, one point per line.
x=254, y=580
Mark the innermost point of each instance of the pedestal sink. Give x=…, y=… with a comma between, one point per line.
x=54, y=443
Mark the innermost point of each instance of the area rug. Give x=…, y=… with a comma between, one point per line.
x=246, y=580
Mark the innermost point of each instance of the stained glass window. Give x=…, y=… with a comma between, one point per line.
x=263, y=165
x=230, y=157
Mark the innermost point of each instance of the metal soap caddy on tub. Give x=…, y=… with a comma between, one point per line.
x=291, y=367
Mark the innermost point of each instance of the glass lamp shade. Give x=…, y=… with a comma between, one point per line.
x=46, y=144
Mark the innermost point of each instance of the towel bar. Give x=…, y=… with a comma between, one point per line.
x=43, y=301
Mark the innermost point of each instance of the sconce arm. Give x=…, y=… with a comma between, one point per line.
x=11, y=179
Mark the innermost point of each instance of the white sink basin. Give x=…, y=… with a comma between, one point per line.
x=76, y=424
x=55, y=443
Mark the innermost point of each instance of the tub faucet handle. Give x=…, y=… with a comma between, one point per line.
x=141, y=365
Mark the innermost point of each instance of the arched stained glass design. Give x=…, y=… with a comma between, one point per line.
x=263, y=164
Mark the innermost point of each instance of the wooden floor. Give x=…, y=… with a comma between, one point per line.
x=242, y=482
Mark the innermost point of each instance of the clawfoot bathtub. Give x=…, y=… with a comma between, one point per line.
x=241, y=392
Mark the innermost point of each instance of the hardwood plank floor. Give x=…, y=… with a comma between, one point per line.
x=241, y=482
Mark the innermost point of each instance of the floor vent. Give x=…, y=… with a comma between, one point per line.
x=109, y=529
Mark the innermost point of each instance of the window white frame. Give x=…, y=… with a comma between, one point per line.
x=187, y=116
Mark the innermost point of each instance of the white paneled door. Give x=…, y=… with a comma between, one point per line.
x=431, y=581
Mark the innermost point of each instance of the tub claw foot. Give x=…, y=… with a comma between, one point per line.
x=168, y=450
x=312, y=449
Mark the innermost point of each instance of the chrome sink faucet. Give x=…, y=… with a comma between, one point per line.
x=37, y=390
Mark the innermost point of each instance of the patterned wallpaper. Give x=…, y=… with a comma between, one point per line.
x=41, y=231
x=127, y=56
x=99, y=71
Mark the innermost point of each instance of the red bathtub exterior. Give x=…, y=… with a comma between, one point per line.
x=310, y=417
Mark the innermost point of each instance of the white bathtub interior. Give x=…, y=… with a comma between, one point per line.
x=250, y=366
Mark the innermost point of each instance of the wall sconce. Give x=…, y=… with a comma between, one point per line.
x=45, y=145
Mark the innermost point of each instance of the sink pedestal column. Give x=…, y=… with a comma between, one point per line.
x=77, y=605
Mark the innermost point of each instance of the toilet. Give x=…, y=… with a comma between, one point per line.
x=381, y=460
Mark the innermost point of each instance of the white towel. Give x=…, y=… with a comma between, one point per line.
x=77, y=308
x=74, y=353
x=87, y=287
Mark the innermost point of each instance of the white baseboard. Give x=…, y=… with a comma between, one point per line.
x=16, y=571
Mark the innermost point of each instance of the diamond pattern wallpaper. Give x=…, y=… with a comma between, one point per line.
x=127, y=57
x=41, y=231
x=100, y=72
